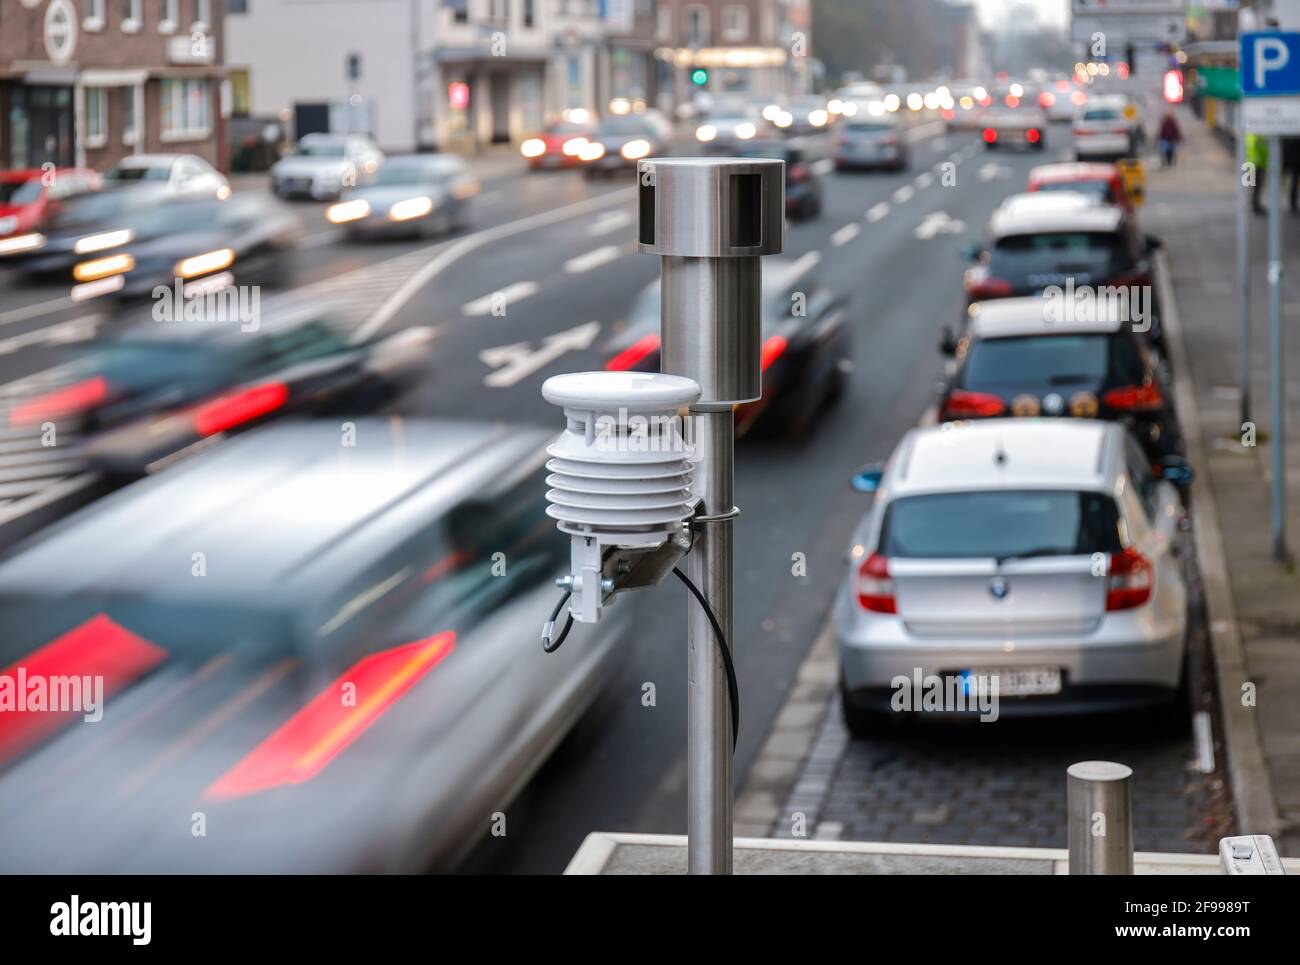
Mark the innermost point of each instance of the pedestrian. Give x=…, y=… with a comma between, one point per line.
x=1257, y=158
x=1171, y=135
x=1291, y=166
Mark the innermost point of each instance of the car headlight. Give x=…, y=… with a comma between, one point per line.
x=203, y=264
x=573, y=146
x=706, y=132
x=745, y=131
x=103, y=267
x=771, y=111
x=635, y=150
x=410, y=208
x=21, y=243
x=818, y=118
x=533, y=147
x=592, y=151
x=346, y=211
x=106, y=239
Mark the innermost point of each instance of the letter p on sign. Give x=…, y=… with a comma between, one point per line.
x=1270, y=54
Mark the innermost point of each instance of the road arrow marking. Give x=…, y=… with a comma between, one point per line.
x=938, y=223
x=516, y=362
x=511, y=293
x=592, y=259
x=845, y=234
x=878, y=211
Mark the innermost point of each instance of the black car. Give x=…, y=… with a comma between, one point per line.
x=803, y=183
x=165, y=389
x=1012, y=361
x=805, y=350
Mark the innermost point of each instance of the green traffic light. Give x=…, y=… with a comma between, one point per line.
x=700, y=76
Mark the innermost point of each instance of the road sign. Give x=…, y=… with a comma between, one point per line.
x=1270, y=81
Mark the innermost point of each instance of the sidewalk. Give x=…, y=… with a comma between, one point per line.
x=1254, y=603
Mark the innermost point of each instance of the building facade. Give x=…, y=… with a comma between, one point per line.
x=87, y=82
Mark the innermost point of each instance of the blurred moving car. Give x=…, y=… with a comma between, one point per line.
x=1036, y=556
x=1081, y=359
x=557, y=145
x=165, y=388
x=726, y=130
x=1108, y=128
x=1024, y=126
x=180, y=175
x=871, y=142
x=804, y=356
x=1100, y=181
x=1057, y=238
x=354, y=683
x=803, y=185
x=621, y=140
x=809, y=114
x=1061, y=100
x=323, y=166
x=29, y=197
x=244, y=239
x=418, y=194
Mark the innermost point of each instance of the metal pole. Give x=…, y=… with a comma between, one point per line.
x=1275, y=345
x=1243, y=271
x=708, y=716
x=1099, y=805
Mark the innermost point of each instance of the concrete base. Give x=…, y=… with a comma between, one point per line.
x=604, y=853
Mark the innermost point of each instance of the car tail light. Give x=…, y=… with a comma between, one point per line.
x=65, y=401
x=773, y=348
x=962, y=404
x=798, y=173
x=1135, y=398
x=1032, y=135
x=990, y=135
x=980, y=284
x=1128, y=581
x=1131, y=279
x=236, y=408
x=875, y=588
x=1046, y=99
x=634, y=354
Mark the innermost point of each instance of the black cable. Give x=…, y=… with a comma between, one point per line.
x=733, y=688
x=548, y=629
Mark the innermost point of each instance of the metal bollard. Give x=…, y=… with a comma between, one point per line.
x=1099, y=804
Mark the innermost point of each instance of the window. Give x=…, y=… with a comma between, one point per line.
x=236, y=6
x=94, y=19
x=168, y=15
x=530, y=14
x=459, y=10
x=96, y=111
x=127, y=95
x=131, y=16
x=202, y=14
x=735, y=23
x=184, y=109
x=697, y=26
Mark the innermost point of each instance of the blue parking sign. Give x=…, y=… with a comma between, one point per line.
x=1270, y=63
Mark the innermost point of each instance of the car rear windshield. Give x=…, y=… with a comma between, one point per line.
x=139, y=172
x=868, y=127
x=1001, y=524
x=1099, y=190
x=1056, y=360
x=1101, y=114
x=1068, y=252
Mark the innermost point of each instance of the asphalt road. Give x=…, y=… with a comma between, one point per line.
x=559, y=250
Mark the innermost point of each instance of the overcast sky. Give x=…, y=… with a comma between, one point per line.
x=1053, y=12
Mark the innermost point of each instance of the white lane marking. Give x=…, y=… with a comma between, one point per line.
x=878, y=211
x=938, y=223
x=31, y=311
x=1204, y=733
x=956, y=157
x=904, y=194
x=923, y=180
x=452, y=253
x=923, y=131
x=805, y=261
x=824, y=166
x=993, y=171
x=609, y=221
x=503, y=297
x=593, y=259
x=516, y=362
x=845, y=234
x=75, y=330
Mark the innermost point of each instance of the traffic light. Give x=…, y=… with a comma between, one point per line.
x=1130, y=57
x=699, y=77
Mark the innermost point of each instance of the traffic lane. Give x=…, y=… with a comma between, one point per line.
x=623, y=768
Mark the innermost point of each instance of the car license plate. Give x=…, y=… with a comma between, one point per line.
x=1016, y=681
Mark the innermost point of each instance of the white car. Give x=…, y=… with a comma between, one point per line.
x=323, y=166
x=1040, y=557
x=182, y=175
x=1108, y=127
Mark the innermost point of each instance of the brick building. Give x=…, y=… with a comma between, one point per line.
x=87, y=82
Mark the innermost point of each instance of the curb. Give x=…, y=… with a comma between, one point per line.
x=1252, y=784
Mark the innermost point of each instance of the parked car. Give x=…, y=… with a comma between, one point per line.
x=244, y=239
x=871, y=142
x=558, y=144
x=420, y=194
x=29, y=197
x=620, y=141
x=1040, y=556
x=170, y=386
x=1024, y=126
x=1108, y=128
x=179, y=175
x=323, y=166
x=311, y=643
x=1101, y=181
x=1081, y=359
x=804, y=354
x=803, y=183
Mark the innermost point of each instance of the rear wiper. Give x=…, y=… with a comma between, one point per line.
x=1070, y=377
x=1028, y=554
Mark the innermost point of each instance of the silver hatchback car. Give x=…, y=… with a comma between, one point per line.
x=1035, y=562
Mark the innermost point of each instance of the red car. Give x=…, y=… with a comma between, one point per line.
x=548, y=149
x=1101, y=181
x=28, y=197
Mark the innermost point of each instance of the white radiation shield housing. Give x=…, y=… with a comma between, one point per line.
x=620, y=473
